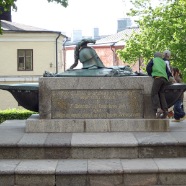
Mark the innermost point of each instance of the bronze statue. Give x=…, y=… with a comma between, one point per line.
x=92, y=64
x=87, y=55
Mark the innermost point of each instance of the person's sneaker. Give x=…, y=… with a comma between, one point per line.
x=176, y=120
x=165, y=115
x=159, y=113
x=181, y=119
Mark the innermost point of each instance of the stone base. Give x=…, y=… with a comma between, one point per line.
x=96, y=98
x=35, y=124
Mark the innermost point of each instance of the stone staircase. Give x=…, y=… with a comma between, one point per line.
x=92, y=159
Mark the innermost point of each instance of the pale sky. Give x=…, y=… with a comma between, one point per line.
x=80, y=14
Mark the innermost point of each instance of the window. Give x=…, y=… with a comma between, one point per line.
x=25, y=60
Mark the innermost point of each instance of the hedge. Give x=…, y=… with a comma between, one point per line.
x=11, y=114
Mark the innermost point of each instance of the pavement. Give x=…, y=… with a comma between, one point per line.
x=104, y=159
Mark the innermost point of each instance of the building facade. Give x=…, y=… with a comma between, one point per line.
x=106, y=49
x=25, y=54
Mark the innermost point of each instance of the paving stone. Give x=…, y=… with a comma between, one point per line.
x=103, y=139
x=178, y=126
x=9, y=152
x=57, y=153
x=97, y=125
x=172, y=178
x=71, y=180
x=104, y=166
x=139, y=166
x=7, y=180
x=7, y=169
x=180, y=137
x=14, y=123
x=136, y=179
x=8, y=166
x=36, y=167
x=140, y=172
x=58, y=139
x=164, y=151
x=155, y=138
x=72, y=166
x=104, y=152
x=181, y=150
x=139, y=125
x=10, y=136
x=106, y=180
x=33, y=139
x=55, y=125
x=171, y=164
x=31, y=153
x=35, y=180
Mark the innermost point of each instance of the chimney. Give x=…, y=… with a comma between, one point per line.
x=5, y=15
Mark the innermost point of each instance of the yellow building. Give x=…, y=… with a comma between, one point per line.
x=26, y=53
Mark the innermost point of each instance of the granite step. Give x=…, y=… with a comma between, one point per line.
x=93, y=172
x=16, y=144
x=34, y=125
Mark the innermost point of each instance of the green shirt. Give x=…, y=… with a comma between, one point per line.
x=159, y=68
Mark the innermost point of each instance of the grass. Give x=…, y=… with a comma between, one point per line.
x=15, y=114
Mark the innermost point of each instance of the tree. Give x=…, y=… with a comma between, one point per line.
x=161, y=27
x=6, y=5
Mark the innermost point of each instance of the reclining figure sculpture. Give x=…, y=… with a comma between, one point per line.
x=92, y=64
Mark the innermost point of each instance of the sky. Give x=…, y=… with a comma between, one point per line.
x=79, y=15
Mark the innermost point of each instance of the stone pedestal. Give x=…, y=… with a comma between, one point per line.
x=98, y=103
x=95, y=97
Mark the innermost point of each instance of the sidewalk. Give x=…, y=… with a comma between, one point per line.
x=91, y=159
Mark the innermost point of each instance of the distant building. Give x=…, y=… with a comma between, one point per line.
x=76, y=35
x=95, y=34
x=106, y=48
x=5, y=15
x=123, y=23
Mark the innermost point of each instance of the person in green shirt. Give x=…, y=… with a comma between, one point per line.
x=157, y=68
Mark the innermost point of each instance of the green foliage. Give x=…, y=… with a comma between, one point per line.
x=7, y=4
x=161, y=27
x=62, y=2
x=11, y=114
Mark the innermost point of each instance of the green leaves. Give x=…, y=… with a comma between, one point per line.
x=11, y=114
x=62, y=2
x=161, y=27
x=6, y=4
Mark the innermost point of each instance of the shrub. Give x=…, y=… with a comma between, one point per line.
x=11, y=114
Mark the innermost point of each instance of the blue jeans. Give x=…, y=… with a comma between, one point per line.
x=178, y=109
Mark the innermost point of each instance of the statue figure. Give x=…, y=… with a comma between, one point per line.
x=87, y=55
x=92, y=64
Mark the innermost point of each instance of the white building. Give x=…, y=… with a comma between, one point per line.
x=26, y=53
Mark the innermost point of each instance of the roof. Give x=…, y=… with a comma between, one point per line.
x=118, y=38
x=12, y=26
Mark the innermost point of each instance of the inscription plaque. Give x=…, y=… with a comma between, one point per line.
x=96, y=104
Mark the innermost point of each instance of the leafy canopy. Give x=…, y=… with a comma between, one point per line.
x=161, y=27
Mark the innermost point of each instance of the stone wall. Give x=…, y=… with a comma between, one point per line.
x=95, y=97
